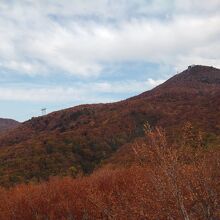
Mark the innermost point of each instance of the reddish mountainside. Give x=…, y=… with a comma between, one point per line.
x=78, y=139
x=6, y=124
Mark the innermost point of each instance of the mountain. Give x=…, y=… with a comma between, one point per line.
x=79, y=139
x=6, y=124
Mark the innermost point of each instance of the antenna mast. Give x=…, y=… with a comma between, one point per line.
x=43, y=111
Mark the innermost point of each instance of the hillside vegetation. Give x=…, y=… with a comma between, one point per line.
x=75, y=141
x=165, y=182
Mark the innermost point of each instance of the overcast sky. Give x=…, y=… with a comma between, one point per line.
x=57, y=54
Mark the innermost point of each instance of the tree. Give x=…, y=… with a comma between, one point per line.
x=185, y=179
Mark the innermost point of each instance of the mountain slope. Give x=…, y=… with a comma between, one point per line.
x=78, y=139
x=6, y=124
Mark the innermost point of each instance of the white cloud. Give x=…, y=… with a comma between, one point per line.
x=87, y=92
x=76, y=37
x=47, y=94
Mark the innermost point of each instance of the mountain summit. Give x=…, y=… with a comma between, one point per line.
x=196, y=74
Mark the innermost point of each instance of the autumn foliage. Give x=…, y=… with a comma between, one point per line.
x=166, y=182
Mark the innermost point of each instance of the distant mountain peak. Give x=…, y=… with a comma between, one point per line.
x=202, y=74
x=199, y=67
x=195, y=68
x=195, y=76
x=6, y=124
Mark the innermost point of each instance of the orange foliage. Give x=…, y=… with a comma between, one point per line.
x=166, y=183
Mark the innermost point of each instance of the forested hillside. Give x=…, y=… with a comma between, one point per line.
x=77, y=140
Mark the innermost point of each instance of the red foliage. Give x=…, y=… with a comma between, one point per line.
x=167, y=183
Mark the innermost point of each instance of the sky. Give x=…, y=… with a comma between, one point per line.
x=57, y=54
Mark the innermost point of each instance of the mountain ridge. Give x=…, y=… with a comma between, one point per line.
x=83, y=136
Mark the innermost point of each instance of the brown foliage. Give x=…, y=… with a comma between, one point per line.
x=166, y=183
x=185, y=178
